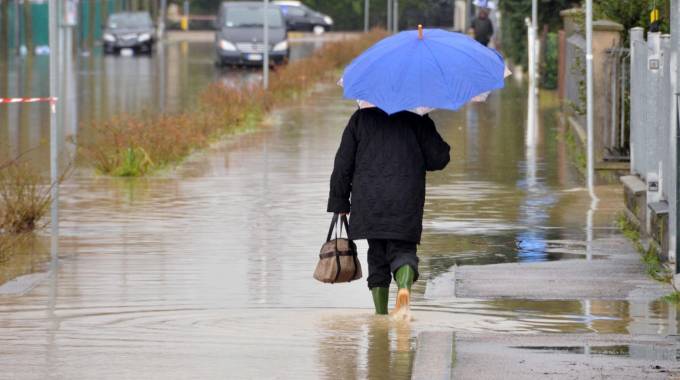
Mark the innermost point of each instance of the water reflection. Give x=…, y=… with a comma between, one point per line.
x=531, y=243
x=634, y=351
x=97, y=86
x=366, y=347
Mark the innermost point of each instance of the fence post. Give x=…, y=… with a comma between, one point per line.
x=653, y=96
x=664, y=136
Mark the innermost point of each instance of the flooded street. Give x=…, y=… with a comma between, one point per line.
x=99, y=86
x=206, y=271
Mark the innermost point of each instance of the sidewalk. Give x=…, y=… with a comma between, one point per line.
x=614, y=278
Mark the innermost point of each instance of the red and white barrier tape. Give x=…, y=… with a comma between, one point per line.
x=52, y=101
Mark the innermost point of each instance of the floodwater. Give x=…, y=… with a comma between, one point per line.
x=98, y=86
x=206, y=271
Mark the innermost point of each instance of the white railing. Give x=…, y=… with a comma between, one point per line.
x=650, y=111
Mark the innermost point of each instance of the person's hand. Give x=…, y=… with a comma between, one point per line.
x=344, y=214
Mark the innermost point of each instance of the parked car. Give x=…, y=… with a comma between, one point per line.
x=299, y=17
x=129, y=31
x=239, y=36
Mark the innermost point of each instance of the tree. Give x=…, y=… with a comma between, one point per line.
x=514, y=30
x=632, y=13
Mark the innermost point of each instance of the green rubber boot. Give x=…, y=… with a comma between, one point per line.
x=404, y=278
x=380, y=296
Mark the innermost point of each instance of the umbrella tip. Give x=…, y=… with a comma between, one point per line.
x=420, y=31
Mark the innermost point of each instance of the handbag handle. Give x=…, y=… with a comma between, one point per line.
x=334, y=223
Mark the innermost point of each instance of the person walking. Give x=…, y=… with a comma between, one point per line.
x=482, y=27
x=390, y=143
x=379, y=179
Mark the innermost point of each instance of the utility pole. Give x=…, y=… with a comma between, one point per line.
x=367, y=10
x=395, y=18
x=589, y=97
x=265, y=42
x=54, y=129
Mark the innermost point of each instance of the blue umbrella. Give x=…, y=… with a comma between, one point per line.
x=424, y=69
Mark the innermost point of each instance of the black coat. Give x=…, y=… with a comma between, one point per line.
x=382, y=162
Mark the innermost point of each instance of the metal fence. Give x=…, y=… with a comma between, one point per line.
x=615, y=137
x=650, y=112
x=611, y=137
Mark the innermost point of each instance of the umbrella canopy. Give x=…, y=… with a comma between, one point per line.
x=436, y=69
x=488, y=4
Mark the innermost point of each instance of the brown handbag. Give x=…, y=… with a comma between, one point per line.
x=338, y=260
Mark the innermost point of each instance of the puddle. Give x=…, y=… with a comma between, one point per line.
x=634, y=351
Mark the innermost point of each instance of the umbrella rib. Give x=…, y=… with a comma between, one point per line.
x=434, y=58
x=468, y=55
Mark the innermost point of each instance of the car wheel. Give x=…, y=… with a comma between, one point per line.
x=318, y=30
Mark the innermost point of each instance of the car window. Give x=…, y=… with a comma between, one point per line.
x=239, y=17
x=296, y=12
x=130, y=20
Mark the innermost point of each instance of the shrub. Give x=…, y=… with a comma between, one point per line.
x=134, y=145
x=24, y=198
x=549, y=63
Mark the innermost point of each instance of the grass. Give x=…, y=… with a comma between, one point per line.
x=135, y=145
x=575, y=150
x=650, y=257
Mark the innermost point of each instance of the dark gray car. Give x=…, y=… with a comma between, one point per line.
x=129, y=30
x=239, y=36
x=300, y=17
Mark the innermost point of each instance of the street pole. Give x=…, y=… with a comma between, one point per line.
x=675, y=122
x=54, y=135
x=389, y=16
x=534, y=34
x=161, y=18
x=265, y=42
x=186, y=15
x=395, y=18
x=589, y=97
x=533, y=76
x=17, y=28
x=469, y=14
x=367, y=10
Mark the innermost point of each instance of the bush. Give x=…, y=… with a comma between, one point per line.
x=24, y=198
x=134, y=145
x=550, y=61
x=632, y=13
